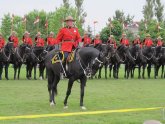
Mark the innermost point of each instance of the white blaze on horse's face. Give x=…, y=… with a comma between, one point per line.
x=96, y=64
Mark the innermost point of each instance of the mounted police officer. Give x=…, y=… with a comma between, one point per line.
x=148, y=41
x=97, y=41
x=13, y=38
x=39, y=42
x=68, y=37
x=51, y=41
x=86, y=39
x=159, y=41
x=124, y=40
x=26, y=39
x=111, y=41
x=2, y=42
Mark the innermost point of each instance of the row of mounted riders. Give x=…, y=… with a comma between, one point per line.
x=132, y=56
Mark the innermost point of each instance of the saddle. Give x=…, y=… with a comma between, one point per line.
x=59, y=56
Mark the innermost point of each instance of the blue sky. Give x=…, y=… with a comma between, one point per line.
x=99, y=10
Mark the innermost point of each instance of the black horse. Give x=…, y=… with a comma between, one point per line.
x=105, y=50
x=42, y=58
x=5, y=56
x=86, y=62
x=19, y=58
x=134, y=51
x=33, y=58
x=122, y=56
x=160, y=55
x=149, y=55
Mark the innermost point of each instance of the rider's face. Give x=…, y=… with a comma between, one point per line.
x=69, y=23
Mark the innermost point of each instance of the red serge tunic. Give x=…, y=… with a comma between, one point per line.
x=124, y=42
x=51, y=41
x=69, y=37
x=2, y=43
x=159, y=43
x=39, y=42
x=27, y=40
x=14, y=39
x=97, y=41
x=112, y=42
x=87, y=41
x=148, y=42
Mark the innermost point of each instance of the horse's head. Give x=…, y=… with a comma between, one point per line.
x=43, y=55
x=91, y=59
x=136, y=50
x=104, y=49
x=10, y=47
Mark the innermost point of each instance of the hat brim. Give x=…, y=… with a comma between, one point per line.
x=69, y=20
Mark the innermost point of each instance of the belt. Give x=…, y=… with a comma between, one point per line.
x=68, y=40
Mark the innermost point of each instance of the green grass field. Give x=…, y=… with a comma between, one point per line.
x=28, y=97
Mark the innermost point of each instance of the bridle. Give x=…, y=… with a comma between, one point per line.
x=87, y=69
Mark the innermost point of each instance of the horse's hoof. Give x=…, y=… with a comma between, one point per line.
x=52, y=104
x=83, y=108
x=66, y=107
x=41, y=78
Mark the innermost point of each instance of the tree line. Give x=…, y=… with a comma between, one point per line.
x=51, y=21
x=152, y=23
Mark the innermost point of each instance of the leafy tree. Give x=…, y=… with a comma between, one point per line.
x=148, y=10
x=6, y=26
x=34, y=28
x=56, y=19
x=79, y=4
x=121, y=17
x=66, y=3
x=159, y=8
x=116, y=30
x=152, y=29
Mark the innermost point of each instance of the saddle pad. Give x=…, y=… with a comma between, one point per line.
x=59, y=56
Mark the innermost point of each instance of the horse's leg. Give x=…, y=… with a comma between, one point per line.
x=82, y=87
x=162, y=71
x=15, y=71
x=19, y=69
x=110, y=70
x=46, y=75
x=56, y=80
x=117, y=73
x=70, y=84
x=106, y=71
x=1, y=70
x=40, y=71
x=35, y=66
x=139, y=71
x=50, y=87
x=27, y=75
x=30, y=71
x=132, y=70
x=128, y=70
x=155, y=71
x=149, y=70
x=99, y=76
x=6, y=71
x=143, y=73
x=125, y=70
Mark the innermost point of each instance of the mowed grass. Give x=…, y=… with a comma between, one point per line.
x=26, y=97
